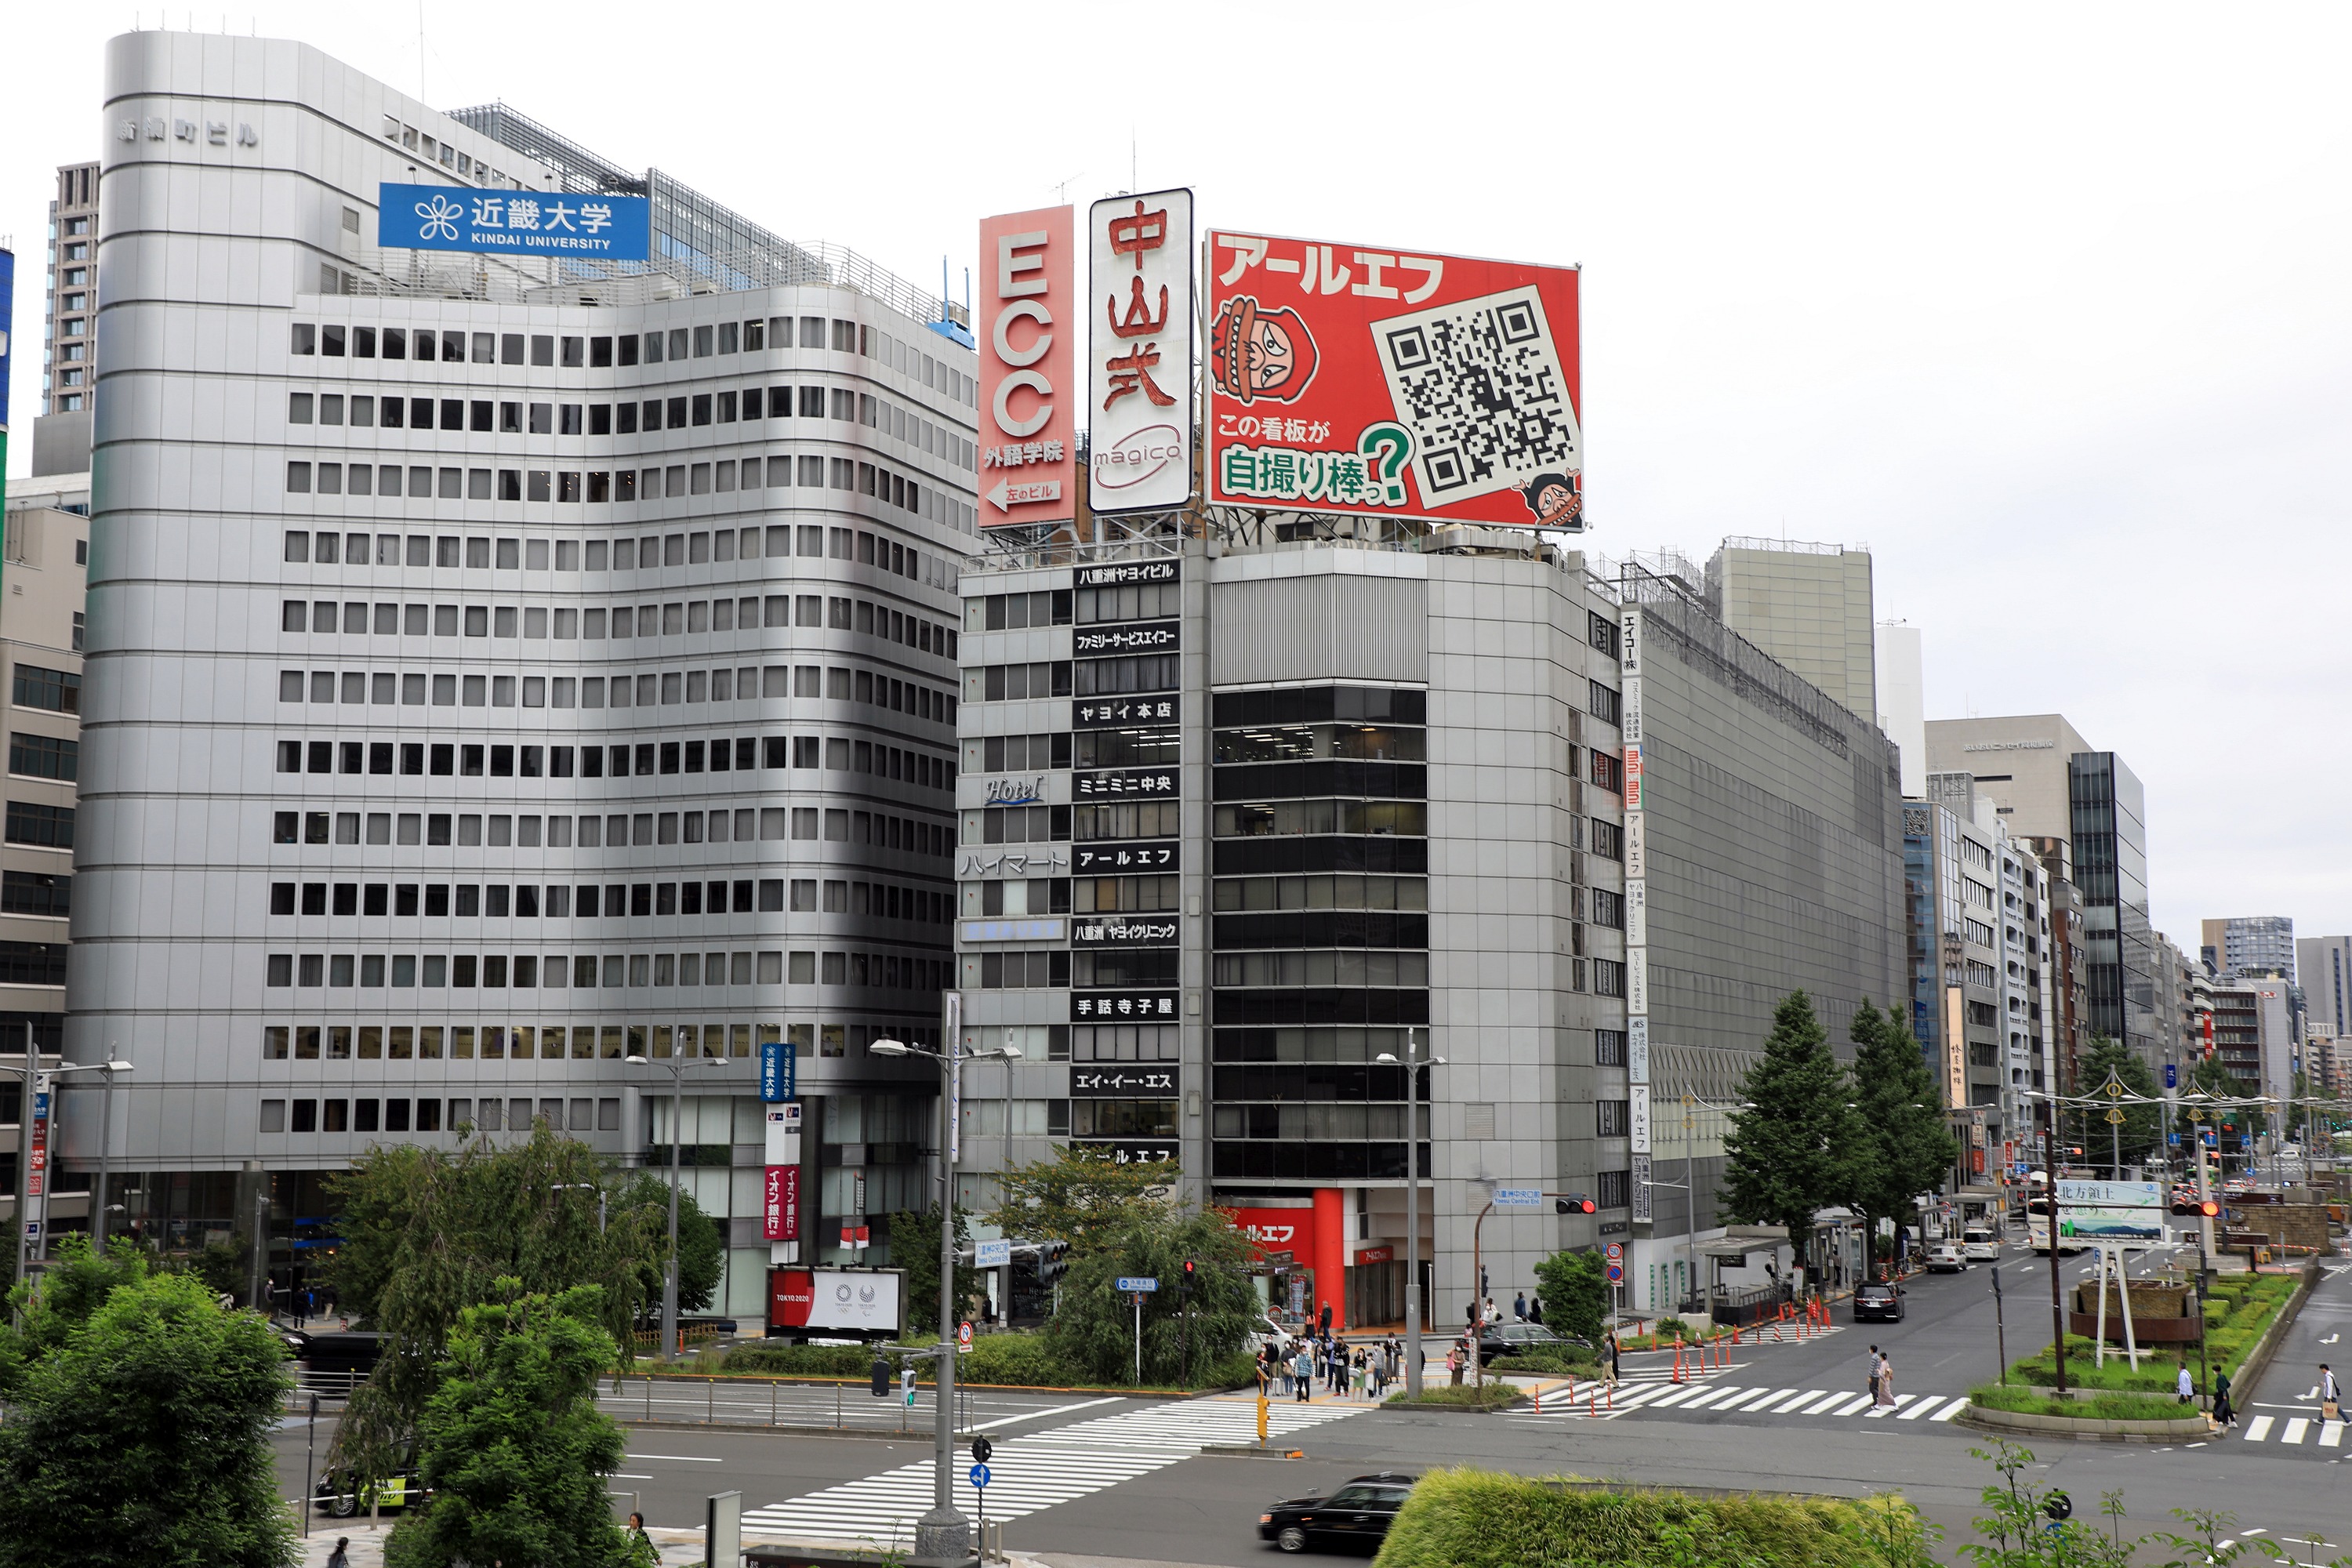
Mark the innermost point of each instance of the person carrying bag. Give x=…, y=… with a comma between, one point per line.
x=2331, y=1395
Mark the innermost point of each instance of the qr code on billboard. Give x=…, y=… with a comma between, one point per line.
x=1478, y=384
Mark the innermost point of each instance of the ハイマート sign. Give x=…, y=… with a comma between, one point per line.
x=1139, y=402
x=1350, y=379
x=1028, y=424
x=514, y=223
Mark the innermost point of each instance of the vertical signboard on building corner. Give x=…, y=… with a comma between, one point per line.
x=37, y=1166
x=951, y=1013
x=1028, y=420
x=8, y=331
x=1636, y=913
x=1956, y=1049
x=1140, y=392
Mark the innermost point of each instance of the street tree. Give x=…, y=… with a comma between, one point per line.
x=1575, y=1288
x=1184, y=1332
x=1797, y=1144
x=701, y=1251
x=1081, y=1195
x=427, y=1232
x=44, y=1313
x=2087, y=1128
x=511, y=1445
x=914, y=1247
x=142, y=1437
x=1907, y=1149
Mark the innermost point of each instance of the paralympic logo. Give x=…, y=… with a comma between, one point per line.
x=440, y=215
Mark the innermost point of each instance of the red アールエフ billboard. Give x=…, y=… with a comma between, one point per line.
x=1349, y=379
x=1029, y=391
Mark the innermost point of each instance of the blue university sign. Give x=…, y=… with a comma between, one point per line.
x=778, y=1070
x=514, y=223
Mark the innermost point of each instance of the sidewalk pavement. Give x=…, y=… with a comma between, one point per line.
x=679, y=1549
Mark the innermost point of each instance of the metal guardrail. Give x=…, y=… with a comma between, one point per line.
x=746, y=1402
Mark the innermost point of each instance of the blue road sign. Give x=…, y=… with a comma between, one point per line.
x=1146, y=1282
x=978, y=1475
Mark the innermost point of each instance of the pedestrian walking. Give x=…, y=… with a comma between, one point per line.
x=1519, y=1307
x=1326, y=1318
x=342, y=1555
x=1873, y=1374
x=641, y=1545
x=2331, y=1395
x=1886, y=1382
x=1614, y=1351
x=2188, y=1387
x=1453, y=1363
x=1303, y=1371
x=2223, y=1416
x=1534, y=1309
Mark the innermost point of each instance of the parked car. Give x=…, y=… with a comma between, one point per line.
x=1878, y=1300
x=342, y=1496
x=1523, y=1338
x=1981, y=1243
x=1357, y=1515
x=1947, y=1258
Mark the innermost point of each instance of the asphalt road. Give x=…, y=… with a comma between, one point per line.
x=1204, y=1509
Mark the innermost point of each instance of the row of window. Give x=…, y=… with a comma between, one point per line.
x=1062, y=606
x=548, y=351
x=645, y=554
x=559, y=1042
x=44, y=757
x=718, y=756
x=42, y=827
x=732, y=405
x=497, y=900
x=572, y=485
x=35, y=893
x=53, y=690
x=499, y=972
x=1345, y=966
x=741, y=683
x=434, y=828
x=675, y=618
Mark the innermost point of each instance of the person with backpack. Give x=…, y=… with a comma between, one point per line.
x=1303, y=1374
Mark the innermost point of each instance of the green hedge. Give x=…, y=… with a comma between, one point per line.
x=1015, y=1360
x=1479, y=1519
x=1468, y=1396
x=2237, y=1313
x=2027, y=1401
x=1546, y=1363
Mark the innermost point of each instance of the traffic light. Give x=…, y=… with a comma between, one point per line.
x=980, y=1449
x=1192, y=1274
x=881, y=1378
x=1575, y=1203
x=2209, y=1208
x=1053, y=1261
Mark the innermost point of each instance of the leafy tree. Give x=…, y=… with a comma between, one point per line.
x=511, y=1445
x=1575, y=1286
x=1907, y=1148
x=144, y=1438
x=67, y=1295
x=914, y=1247
x=1082, y=1195
x=1094, y=1329
x=2143, y=1125
x=701, y=1251
x=1798, y=1145
x=427, y=1232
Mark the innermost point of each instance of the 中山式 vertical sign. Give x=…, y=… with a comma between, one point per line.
x=1028, y=418
x=1139, y=393
x=1344, y=378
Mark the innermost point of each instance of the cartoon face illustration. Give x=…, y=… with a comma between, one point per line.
x=1554, y=499
x=1259, y=352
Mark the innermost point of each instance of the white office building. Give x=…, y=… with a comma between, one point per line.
x=497, y=668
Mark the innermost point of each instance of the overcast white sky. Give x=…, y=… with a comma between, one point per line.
x=2048, y=305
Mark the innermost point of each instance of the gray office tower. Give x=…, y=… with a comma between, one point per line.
x=1245, y=825
x=497, y=668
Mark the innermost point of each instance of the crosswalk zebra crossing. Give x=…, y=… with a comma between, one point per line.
x=2295, y=1429
x=1588, y=1401
x=1037, y=1470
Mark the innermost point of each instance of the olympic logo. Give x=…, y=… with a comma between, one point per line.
x=440, y=215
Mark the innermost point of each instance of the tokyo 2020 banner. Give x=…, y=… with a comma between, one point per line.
x=1347, y=378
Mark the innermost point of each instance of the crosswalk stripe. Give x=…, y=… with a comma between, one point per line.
x=1673, y=1398
x=1707, y=1396
x=1743, y=1398
x=2331, y=1435
x=1642, y=1397
x=2258, y=1428
x=1921, y=1408
x=1783, y=1407
x=1821, y=1405
x=1847, y=1407
x=1948, y=1411
x=2297, y=1427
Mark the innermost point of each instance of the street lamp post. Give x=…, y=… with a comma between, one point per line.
x=676, y=1067
x=110, y=1067
x=31, y=1073
x=944, y=1532
x=1413, y=1064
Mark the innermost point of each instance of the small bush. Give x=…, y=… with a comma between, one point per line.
x=1468, y=1396
x=1546, y=1363
x=1478, y=1518
x=2027, y=1401
x=800, y=1360
x=1020, y=1361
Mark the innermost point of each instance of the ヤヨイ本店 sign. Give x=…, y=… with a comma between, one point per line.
x=1028, y=397
x=1349, y=379
x=1140, y=399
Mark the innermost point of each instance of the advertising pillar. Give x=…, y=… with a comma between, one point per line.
x=1331, y=1256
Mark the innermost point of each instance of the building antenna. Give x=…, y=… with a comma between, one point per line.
x=1062, y=188
x=1132, y=184
x=420, y=51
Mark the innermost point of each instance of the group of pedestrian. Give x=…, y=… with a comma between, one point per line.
x=1294, y=1368
x=1881, y=1379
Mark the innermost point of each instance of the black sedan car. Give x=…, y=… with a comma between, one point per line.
x=1525, y=1339
x=1880, y=1300
x=1356, y=1516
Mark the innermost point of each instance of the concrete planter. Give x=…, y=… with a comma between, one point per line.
x=2017, y=1422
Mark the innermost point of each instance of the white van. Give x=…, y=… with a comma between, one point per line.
x=1978, y=1245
